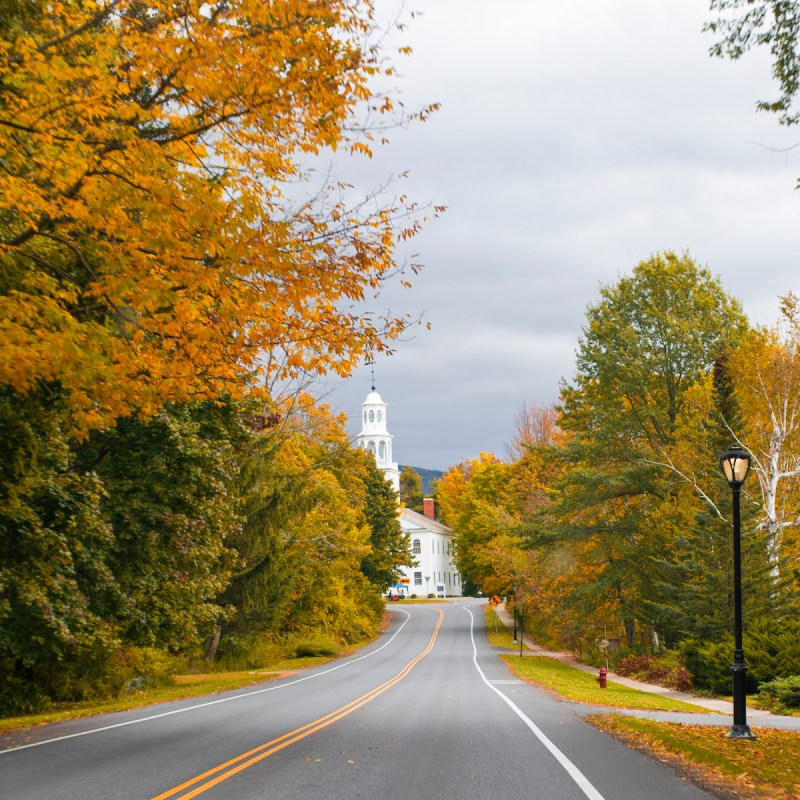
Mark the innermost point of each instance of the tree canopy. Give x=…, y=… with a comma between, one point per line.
x=773, y=24
x=167, y=269
x=411, y=489
x=647, y=343
x=151, y=251
x=611, y=517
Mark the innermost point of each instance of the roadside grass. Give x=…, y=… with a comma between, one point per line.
x=765, y=769
x=575, y=684
x=496, y=632
x=185, y=686
x=571, y=683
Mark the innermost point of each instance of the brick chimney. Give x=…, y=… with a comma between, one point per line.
x=427, y=507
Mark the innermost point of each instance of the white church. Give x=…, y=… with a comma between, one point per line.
x=431, y=542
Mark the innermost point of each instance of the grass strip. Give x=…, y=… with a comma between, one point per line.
x=575, y=684
x=496, y=632
x=185, y=686
x=765, y=769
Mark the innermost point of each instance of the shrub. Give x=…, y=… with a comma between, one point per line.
x=150, y=668
x=265, y=651
x=316, y=646
x=247, y=651
x=20, y=694
x=87, y=674
x=781, y=692
x=710, y=665
x=234, y=652
x=127, y=669
x=666, y=670
x=771, y=649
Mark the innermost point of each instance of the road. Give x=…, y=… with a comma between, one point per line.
x=427, y=711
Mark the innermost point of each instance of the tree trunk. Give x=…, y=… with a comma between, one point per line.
x=212, y=643
x=630, y=631
x=628, y=620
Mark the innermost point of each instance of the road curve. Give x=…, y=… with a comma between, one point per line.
x=428, y=710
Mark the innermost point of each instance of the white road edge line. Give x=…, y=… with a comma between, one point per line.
x=580, y=779
x=213, y=702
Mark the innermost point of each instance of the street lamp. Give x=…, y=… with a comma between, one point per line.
x=735, y=463
x=515, y=613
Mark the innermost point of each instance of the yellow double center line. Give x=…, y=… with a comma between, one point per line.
x=222, y=772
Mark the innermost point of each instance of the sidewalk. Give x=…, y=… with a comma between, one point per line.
x=755, y=716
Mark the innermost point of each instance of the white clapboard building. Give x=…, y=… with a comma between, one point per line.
x=434, y=571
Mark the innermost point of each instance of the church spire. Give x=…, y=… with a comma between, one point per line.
x=376, y=438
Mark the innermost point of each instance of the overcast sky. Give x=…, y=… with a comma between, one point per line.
x=574, y=140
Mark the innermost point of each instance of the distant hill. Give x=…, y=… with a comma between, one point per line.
x=427, y=476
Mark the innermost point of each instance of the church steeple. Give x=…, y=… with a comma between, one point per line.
x=375, y=436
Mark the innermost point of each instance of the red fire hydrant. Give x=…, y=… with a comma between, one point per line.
x=601, y=678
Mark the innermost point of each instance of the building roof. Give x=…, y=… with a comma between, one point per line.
x=373, y=398
x=414, y=520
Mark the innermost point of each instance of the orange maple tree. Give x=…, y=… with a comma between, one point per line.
x=150, y=250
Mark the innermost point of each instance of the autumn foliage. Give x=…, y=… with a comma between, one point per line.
x=154, y=246
x=171, y=262
x=611, y=520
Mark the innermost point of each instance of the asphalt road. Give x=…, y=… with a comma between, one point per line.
x=427, y=711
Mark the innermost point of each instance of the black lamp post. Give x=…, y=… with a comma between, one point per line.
x=515, y=613
x=735, y=463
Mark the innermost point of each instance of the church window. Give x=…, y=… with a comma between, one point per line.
x=417, y=579
x=416, y=547
x=372, y=416
x=379, y=415
x=382, y=450
x=365, y=416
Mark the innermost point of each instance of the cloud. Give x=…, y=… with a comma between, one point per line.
x=574, y=141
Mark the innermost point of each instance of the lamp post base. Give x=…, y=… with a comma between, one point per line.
x=740, y=732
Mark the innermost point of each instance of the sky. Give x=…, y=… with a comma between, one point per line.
x=574, y=140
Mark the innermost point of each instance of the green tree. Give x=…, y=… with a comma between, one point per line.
x=56, y=586
x=113, y=544
x=480, y=501
x=652, y=337
x=306, y=535
x=774, y=24
x=411, y=489
x=698, y=576
x=172, y=508
x=389, y=546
